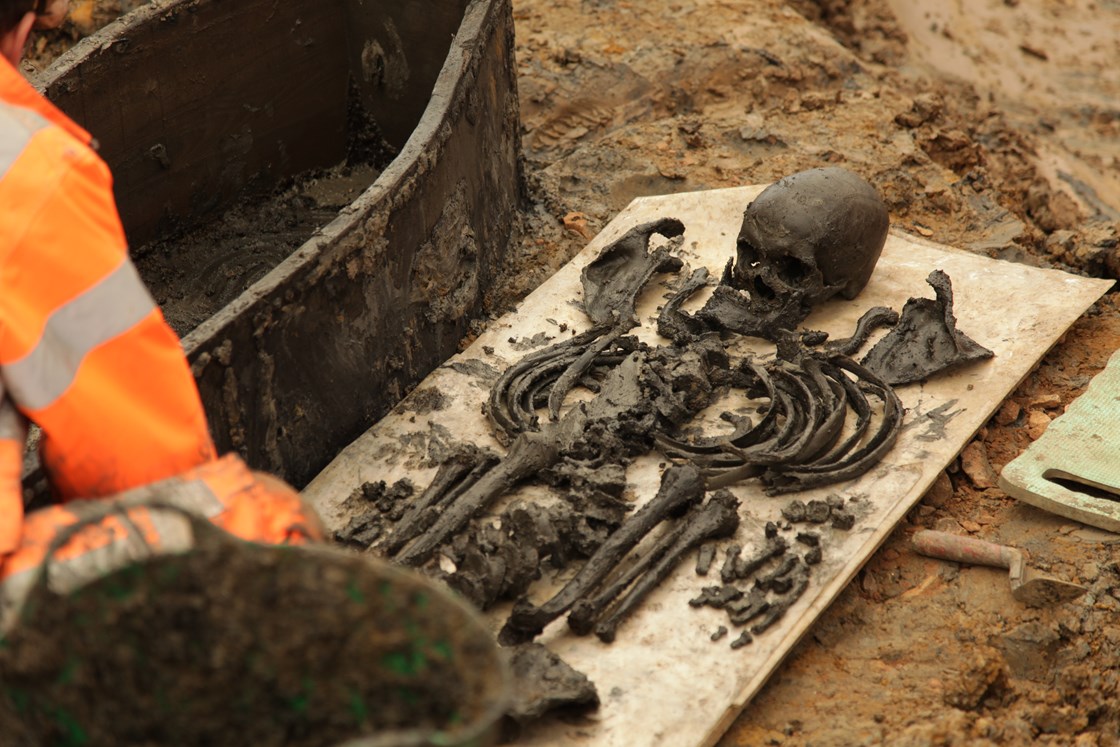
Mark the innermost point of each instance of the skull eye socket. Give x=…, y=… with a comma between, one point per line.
x=748, y=256
x=792, y=270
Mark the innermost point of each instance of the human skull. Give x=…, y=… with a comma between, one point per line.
x=806, y=238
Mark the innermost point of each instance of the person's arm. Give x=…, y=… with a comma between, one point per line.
x=13, y=438
x=84, y=350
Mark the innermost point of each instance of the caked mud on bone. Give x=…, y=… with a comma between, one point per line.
x=453, y=477
x=713, y=520
x=717, y=518
x=704, y=558
x=681, y=486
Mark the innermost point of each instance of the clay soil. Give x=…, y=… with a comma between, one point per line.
x=993, y=126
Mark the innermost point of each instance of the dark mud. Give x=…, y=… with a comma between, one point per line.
x=196, y=272
x=543, y=683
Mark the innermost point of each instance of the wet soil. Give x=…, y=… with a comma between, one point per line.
x=195, y=272
x=992, y=126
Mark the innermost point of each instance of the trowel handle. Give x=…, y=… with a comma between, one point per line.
x=962, y=549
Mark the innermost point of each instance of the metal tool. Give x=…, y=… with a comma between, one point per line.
x=1027, y=585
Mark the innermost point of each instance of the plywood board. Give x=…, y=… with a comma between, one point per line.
x=664, y=681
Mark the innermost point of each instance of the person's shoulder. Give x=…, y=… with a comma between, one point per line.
x=46, y=150
x=18, y=126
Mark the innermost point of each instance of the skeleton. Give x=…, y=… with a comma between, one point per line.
x=811, y=236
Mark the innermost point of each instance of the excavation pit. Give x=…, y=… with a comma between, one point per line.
x=319, y=195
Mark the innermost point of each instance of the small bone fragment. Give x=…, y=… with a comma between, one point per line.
x=787, y=565
x=742, y=640
x=794, y=511
x=773, y=548
x=873, y=319
x=716, y=596
x=727, y=573
x=843, y=520
x=721, y=631
x=704, y=558
x=812, y=539
x=779, y=606
x=817, y=512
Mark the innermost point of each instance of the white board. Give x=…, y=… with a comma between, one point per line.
x=663, y=681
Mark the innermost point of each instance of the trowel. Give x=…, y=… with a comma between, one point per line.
x=1027, y=585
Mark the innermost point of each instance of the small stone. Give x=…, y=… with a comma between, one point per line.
x=984, y=672
x=1037, y=422
x=940, y=492
x=843, y=520
x=1008, y=413
x=1046, y=402
x=742, y=640
x=969, y=526
x=1088, y=739
x=834, y=501
x=814, y=556
x=721, y=631
x=975, y=464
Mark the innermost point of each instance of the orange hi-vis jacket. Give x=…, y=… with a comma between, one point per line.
x=86, y=355
x=84, y=351
x=82, y=541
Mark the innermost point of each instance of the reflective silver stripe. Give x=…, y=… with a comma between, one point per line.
x=65, y=576
x=172, y=528
x=17, y=127
x=193, y=496
x=105, y=311
x=13, y=425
